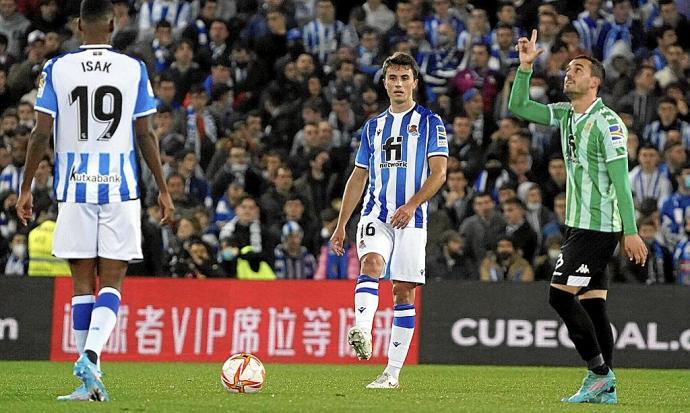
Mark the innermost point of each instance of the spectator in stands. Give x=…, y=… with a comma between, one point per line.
x=545, y=264
x=621, y=25
x=464, y=148
x=557, y=225
x=273, y=200
x=237, y=167
x=451, y=262
x=177, y=258
x=589, y=23
x=669, y=15
x=245, y=230
x=398, y=30
x=21, y=77
x=536, y=214
x=675, y=70
x=293, y=261
x=319, y=181
x=505, y=264
x=369, y=54
x=416, y=36
x=16, y=263
x=519, y=230
x=675, y=157
x=177, y=12
x=503, y=54
x=656, y=133
x=249, y=75
x=298, y=209
x=157, y=53
x=273, y=44
x=675, y=209
x=455, y=199
x=646, y=180
x=322, y=42
x=10, y=177
x=619, y=67
x=493, y=177
x=198, y=30
x=555, y=183
x=641, y=102
x=378, y=15
x=653, y=270
x=481, y=231
x=442, y=15
x=330, y=265
x=479, y=75
x=342, y=118
x=202, y=133
x=195, y=183
x=483, y=125
x=184, y=71
x=13, y=25
x=201, y=263
x=439, y=66
x=184, y=203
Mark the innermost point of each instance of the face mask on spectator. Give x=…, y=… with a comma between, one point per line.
x=554, y=253
x=537, y=92
x=503, y=255
x=686, y=180
x=19, y=250
x=533, y=206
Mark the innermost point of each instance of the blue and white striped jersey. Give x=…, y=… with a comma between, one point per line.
x=94, y=95
x=396, y=148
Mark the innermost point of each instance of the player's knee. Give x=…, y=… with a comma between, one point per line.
x=372, y=265
x=559, y=299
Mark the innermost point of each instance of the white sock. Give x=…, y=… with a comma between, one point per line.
x=82, y=306
x=366, y=301
x=401, y=337
x=103, y=319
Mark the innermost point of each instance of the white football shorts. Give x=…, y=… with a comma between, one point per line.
x=91, y=230
x=404, y=250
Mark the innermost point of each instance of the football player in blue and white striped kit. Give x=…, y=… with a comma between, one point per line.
x=403, y=154
x=96, y=102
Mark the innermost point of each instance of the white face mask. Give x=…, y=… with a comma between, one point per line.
x=537, y=92
x=19, y=250
x=533, y=206
x=553, y=253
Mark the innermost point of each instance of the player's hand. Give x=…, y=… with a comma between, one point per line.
x=337, y=241
x=25, y=207
x=402, y=216
x=167, y=208
x=527, y=49
x=635, y=249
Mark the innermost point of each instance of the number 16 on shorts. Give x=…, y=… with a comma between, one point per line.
x=374, y=236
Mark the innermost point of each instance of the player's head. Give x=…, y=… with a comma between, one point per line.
x=400, y=73
x=96, y=16
x=584, y=75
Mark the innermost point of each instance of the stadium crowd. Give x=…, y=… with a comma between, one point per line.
x=260, y=104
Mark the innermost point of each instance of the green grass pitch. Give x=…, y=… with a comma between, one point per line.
x=178, y=387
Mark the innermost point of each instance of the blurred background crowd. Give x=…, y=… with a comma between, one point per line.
x=260, y=105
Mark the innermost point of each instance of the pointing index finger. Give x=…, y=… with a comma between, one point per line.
x=533, y=39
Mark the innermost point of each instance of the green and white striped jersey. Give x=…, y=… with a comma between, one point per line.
x=589, y=141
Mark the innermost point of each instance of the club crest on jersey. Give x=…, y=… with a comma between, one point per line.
x=412, y=131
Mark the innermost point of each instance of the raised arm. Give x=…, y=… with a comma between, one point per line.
x=519, y=102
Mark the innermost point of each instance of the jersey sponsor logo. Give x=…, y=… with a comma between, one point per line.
x=392, y=149
x=412, y=131
x=100, y=179
x=584, y=269
x=41, y=84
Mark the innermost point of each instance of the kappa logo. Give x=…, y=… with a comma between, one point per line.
x=396, y=343
x=378, y=132
x=584, y=269
x=361, y=309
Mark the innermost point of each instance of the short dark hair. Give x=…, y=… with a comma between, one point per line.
x=666, y=99
x=597, y=67
x=96, y=10
x=401, y=59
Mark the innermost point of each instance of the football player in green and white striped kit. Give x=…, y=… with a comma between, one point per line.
x=599, y=206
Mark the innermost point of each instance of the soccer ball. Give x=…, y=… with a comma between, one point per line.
x=243, y=373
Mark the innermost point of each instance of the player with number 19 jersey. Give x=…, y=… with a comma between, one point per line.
x=94, y=95
x=395, y=148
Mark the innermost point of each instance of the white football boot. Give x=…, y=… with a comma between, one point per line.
x=384, y=381
x=360, y=342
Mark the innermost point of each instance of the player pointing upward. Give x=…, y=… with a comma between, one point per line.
x=599, y=206
x=403, y=153
x=98, y=100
